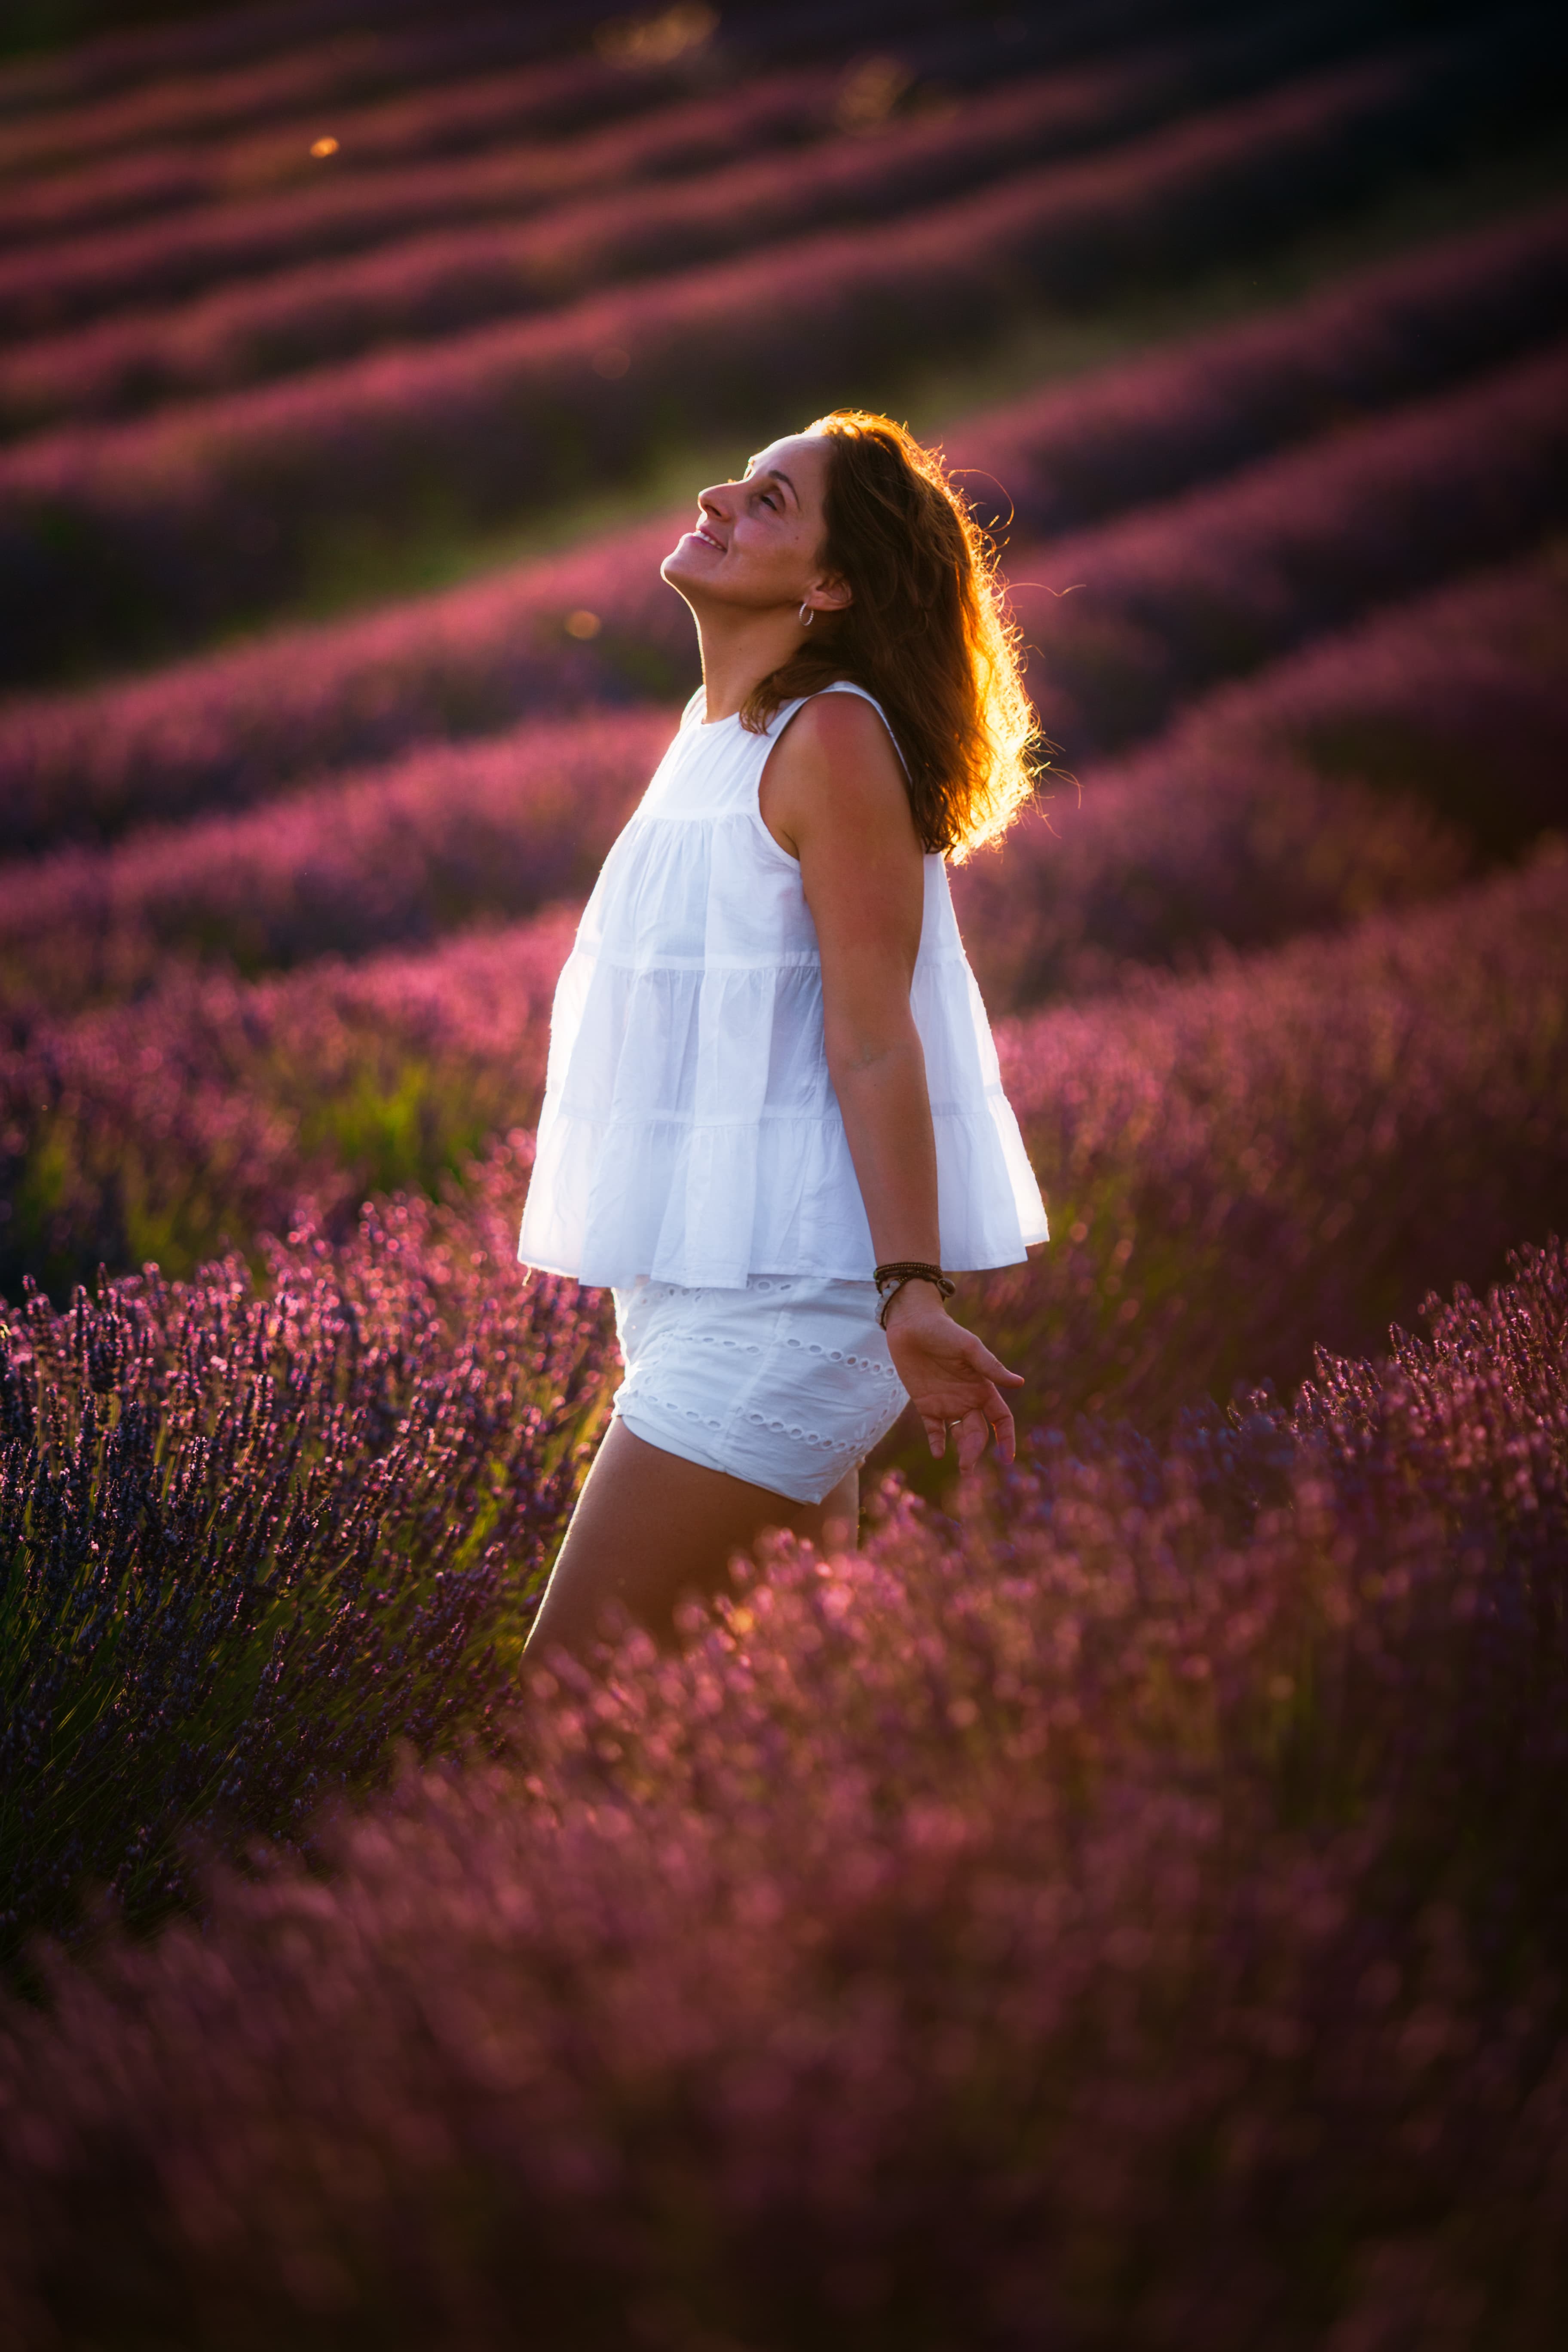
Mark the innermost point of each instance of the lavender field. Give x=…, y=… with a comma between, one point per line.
x=1119, y=1906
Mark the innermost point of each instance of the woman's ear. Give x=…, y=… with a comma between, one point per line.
x=831, y=593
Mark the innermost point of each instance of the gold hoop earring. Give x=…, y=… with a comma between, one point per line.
x=806, y=616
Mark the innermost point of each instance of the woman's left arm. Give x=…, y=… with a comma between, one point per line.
x=834, y=796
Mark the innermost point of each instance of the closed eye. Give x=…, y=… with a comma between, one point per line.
x=771, y=496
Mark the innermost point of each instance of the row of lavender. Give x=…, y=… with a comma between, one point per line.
x=252, y=131
x=177, y=224
x=203, y=80
x=478, y=76
x=188, y=49
x=228, y=142
x=449, y=64
x=237, y=727
x=73, y=279
x=256, y=1533
x=1126, y=1916
x=428, y=286
x=1373, y=769
x=166, y=525
x=1131, y=619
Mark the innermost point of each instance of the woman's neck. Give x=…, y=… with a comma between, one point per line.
x=738, y=650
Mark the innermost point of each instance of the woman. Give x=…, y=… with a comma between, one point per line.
x=773, y=1118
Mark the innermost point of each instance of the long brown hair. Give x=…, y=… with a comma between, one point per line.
x=927, y=633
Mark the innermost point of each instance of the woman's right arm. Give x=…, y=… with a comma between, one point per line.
x=834, y=796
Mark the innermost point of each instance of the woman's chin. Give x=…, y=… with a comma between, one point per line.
x=678, y=569
x=690, y=574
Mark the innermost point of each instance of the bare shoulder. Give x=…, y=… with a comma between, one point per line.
x=841, y=730
x=836, y=763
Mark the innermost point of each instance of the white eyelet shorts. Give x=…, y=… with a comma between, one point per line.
x=787, y=1383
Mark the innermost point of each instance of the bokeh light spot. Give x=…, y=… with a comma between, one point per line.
x=656, y=40
x=869, y=92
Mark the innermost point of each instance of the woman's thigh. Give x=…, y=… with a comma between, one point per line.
x=651, y=1528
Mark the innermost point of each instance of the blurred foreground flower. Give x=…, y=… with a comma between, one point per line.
x=1058, y=1926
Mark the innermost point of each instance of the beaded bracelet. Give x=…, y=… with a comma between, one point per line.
x=892, y=1276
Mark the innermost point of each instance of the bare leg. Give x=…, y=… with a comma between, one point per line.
x=650, y=1529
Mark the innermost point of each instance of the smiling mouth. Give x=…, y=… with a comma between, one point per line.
x=706, y=538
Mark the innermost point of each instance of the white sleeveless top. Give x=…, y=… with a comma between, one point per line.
x=689, y=1131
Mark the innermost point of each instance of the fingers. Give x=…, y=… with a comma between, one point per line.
x=974, y=1427
x=944, y=1386
x=992, y=1419
x=1005, y=1434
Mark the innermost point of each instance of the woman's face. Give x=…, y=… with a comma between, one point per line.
x=757, y=543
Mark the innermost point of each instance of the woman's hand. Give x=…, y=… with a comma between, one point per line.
x=952, y=1376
